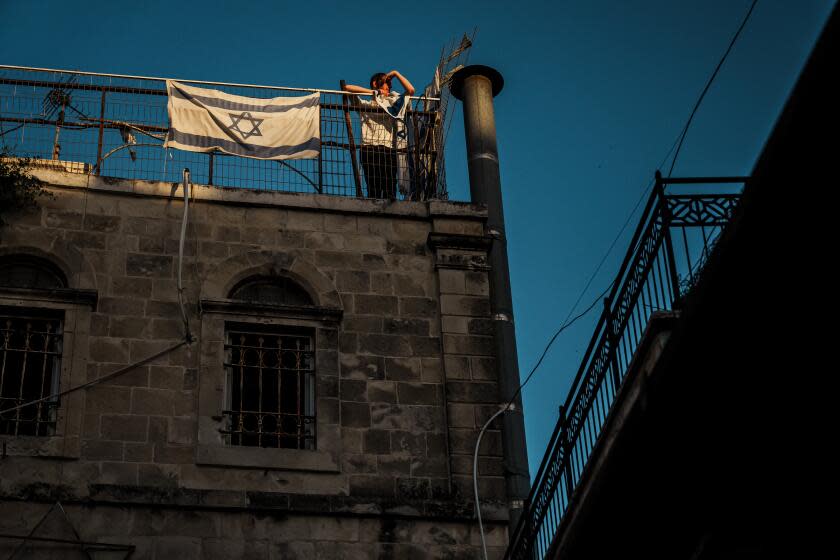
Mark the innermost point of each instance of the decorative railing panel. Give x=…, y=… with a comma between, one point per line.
x=670, y=244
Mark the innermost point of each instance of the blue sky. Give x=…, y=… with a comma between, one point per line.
x=596, y=92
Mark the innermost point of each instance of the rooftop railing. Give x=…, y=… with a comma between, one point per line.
x=666, y=254
x=114, y=126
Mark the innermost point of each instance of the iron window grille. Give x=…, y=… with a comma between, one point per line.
x=30, y=365
x=269, y=386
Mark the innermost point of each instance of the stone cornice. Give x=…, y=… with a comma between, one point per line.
x=459, y=241
x=263, y=198
x=66, y=296
x=272, y=503
x=235, y=307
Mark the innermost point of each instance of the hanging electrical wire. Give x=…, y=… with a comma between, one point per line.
x=189, y=338
x=709, y=84
x=509, y=406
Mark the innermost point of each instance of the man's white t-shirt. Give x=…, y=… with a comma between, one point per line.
x=380, y=128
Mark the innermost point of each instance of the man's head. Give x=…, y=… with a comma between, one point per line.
x=381, y=82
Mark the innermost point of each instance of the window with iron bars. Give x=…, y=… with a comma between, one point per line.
x=30, y=365
x=270, y=386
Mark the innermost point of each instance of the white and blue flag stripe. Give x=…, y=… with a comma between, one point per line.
x=207, y=120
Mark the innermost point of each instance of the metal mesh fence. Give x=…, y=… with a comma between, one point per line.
x=114, y=126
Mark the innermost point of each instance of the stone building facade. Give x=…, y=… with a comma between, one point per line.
x=393, y=377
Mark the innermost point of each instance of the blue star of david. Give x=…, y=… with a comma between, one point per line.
x=245, y=117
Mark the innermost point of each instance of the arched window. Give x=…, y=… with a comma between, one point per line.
x=270, y=372
x=274, y=290
x=25, y=271
x=30, y=349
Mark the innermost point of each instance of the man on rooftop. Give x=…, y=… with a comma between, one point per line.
x=383, y=132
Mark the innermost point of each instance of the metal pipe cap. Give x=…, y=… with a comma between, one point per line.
x=456, y=86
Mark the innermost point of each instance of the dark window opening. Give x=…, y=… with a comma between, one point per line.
x=24, y=271
x=275, y=290
x=30, y=365
x=270, y=386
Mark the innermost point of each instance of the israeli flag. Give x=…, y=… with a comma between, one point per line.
x=207, y=120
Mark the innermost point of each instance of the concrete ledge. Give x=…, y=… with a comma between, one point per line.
x=459, y=241
x=257, y=457
x=448, y=208
x=233, y=307
x=251, y=197
x=53, y=447
x=57, y=295
x=270, y=503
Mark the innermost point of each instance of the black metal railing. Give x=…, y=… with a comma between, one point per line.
x=668, y=249
x=114, y=126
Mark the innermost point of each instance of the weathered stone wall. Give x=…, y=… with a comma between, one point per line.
x=404, y=377
x=223, y=535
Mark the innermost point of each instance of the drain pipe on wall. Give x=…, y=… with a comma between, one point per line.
x=187, y=333
x=476, y=86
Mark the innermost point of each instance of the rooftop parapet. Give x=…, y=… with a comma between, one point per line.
x=114, y=126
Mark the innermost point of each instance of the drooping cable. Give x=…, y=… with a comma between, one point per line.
x=188, y=336
x=709, y=84
x=562, y=328
x=131, y=126
x=111, y=375
x=509, y=406
x=566, y=323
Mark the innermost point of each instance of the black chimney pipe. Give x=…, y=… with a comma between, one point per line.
x=476, y=86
